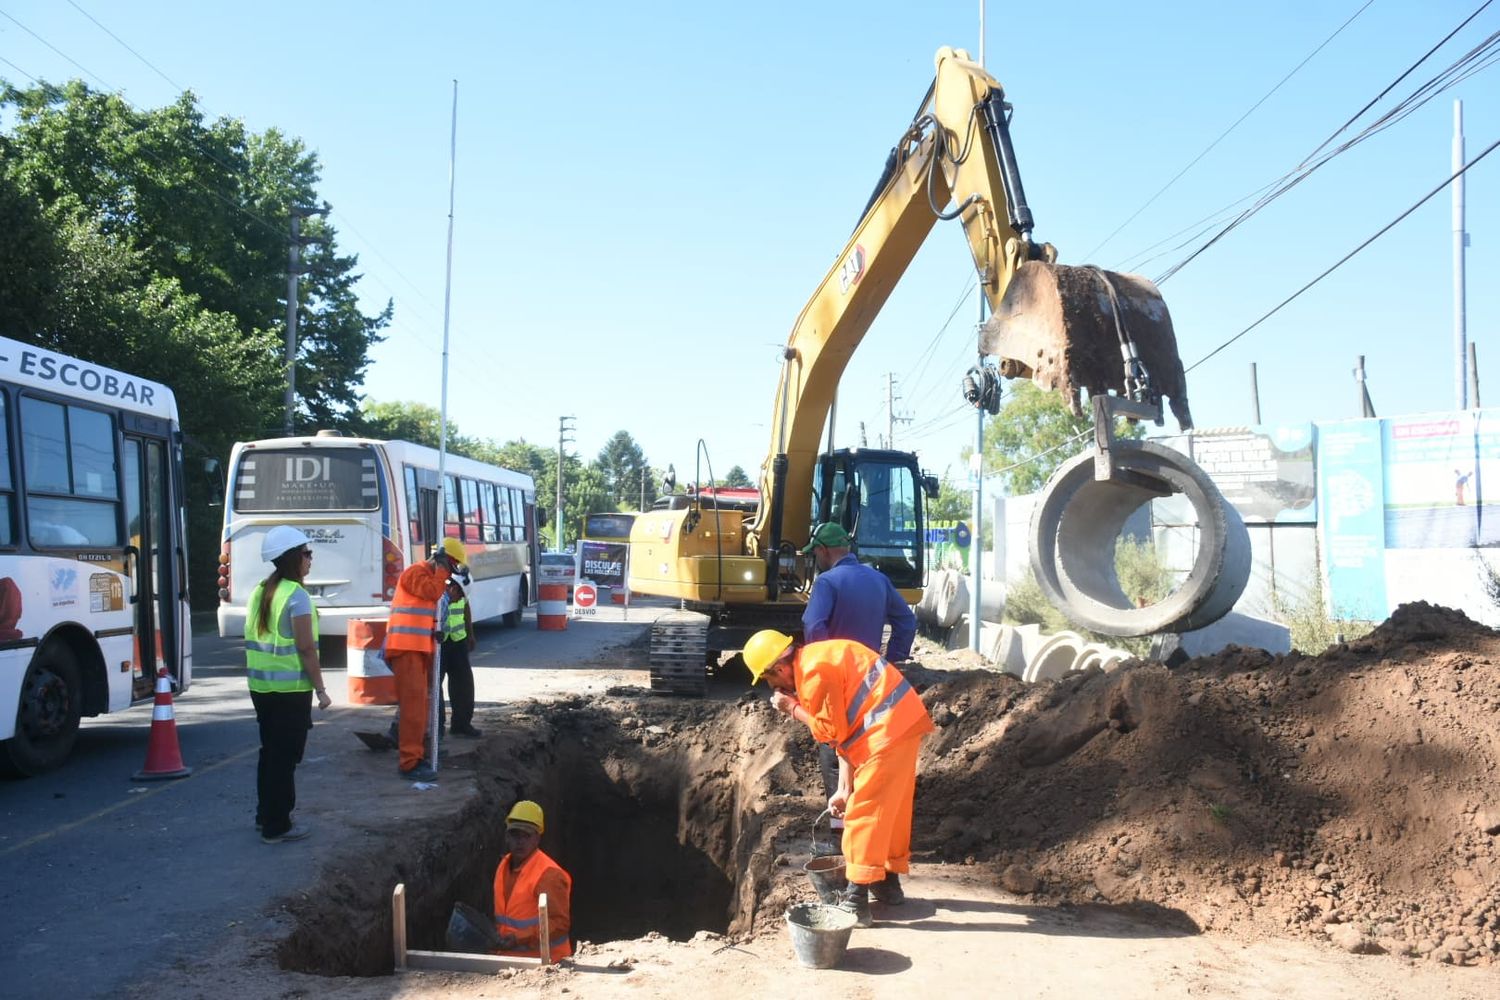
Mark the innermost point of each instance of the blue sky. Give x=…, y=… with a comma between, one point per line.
x=648, y=193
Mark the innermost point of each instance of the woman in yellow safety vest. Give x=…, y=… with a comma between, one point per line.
x=281, y=664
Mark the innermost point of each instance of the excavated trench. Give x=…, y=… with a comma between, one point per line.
x=657, y=809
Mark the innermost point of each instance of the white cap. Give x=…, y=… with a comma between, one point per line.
x=281, y=540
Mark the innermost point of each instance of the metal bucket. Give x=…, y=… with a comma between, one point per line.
x=827, y=876
x=471, y=931
x=820, y=934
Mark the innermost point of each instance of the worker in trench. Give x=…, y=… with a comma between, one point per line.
x=522, y=876
x=849, y=696
x=850, y=600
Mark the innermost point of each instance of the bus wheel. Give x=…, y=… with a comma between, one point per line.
x=47, y=720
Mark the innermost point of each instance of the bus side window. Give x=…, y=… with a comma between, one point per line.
x=7, y=486
x=471, y=509
x=488, y=527
x=413, y=505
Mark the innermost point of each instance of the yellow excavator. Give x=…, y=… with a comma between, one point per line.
x=1073, y=330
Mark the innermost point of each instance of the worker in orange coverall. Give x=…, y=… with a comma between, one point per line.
x=524, y=874
x=849, y=696
x=409, y=648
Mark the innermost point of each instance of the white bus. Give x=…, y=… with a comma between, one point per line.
x=93, y=549
x=362, y=501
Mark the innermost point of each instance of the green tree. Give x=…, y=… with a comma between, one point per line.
x=418, y=423
x=623, y=468
x=737, y=479
x=1033, y=434
x=155, y=242
x=952, y=503
x=206, y=204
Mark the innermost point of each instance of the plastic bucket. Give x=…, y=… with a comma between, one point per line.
x=820, y=934
x=470, y=931
x=827, y=875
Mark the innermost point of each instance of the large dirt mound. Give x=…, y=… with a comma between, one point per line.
x=1349, y=796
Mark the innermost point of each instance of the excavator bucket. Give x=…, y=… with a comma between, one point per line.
x=1070, y=328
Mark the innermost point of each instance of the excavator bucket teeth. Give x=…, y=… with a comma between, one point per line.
x=1057, y=325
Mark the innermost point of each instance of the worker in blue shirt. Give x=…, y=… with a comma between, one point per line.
x=853, y=601
x=850, y=600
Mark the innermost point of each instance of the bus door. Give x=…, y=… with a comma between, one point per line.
x=149, y=548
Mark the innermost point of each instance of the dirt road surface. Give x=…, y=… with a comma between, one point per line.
x=1241, y=827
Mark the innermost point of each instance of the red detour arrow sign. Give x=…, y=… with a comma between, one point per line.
x=585, y=595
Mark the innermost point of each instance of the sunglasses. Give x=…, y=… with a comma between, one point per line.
x=307, y=552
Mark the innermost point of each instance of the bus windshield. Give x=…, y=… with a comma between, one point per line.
x=271, y=480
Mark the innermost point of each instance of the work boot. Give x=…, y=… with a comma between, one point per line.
x=421, y=772
x=888, y=892
x=468, y=731
x=294, y=832
x=856, y=900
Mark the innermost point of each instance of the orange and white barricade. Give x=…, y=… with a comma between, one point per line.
x=370, y=679
x=552, y=607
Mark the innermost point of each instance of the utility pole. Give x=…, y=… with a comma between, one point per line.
x=645, y=471
x=1254, y=395
x=293, y=273
x=863, y=441
x=1460, y=240
x=562, y=439
x=1366, y=407
x=1473, y=378
x=890, y=410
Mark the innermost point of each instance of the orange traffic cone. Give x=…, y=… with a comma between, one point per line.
x=163, y=758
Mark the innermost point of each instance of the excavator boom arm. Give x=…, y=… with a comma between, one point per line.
x=957, y=149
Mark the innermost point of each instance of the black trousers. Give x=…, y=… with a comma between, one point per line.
x=454, y=661
x=284, y=717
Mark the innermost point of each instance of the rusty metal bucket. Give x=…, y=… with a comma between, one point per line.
x=1071, y=328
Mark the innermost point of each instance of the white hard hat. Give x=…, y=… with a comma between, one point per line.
x=280, y=540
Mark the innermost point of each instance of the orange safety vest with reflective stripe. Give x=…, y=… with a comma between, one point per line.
x=856, y=700
x=516, y=910
x=413, y=615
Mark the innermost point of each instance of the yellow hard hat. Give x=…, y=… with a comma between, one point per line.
x=454, y=549
x=526, y=811
x=763, y=650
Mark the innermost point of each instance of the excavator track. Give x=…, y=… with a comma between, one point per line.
x=679, y=651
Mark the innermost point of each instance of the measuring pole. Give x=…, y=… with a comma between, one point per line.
x=434, y=712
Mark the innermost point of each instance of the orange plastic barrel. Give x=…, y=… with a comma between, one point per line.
x=552, y=607
x=370, y=679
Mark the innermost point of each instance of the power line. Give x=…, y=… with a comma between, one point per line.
x=1224, y=134
x=1445, y=79
x=1342, y=260
x=111, y=34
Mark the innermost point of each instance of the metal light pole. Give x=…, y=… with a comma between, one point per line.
x=976, y=533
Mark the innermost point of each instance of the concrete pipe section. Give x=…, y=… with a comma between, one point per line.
x=1077, y=520
x=1055, y=657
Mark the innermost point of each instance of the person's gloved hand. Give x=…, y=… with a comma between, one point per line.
x=506, y=942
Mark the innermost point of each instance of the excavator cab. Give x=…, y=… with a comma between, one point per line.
x=878, y=497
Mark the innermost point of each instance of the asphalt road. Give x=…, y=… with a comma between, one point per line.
x=103, y=879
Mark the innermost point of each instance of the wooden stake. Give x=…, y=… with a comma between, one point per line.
x=544, y=933
x=398, y=924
